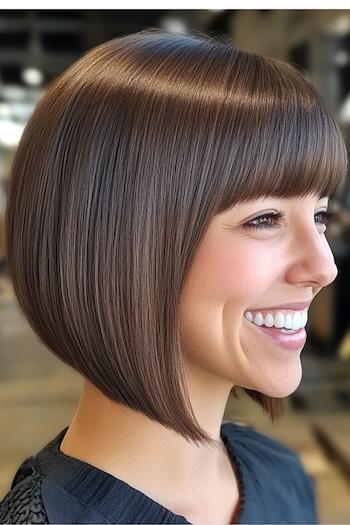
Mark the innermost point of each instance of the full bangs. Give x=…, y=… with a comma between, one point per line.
x=287, y=143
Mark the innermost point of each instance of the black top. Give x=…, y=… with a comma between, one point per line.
x=52, y=487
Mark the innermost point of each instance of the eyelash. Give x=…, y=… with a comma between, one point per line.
x=327, y=217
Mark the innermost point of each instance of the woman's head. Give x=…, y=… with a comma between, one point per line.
x=129, y=164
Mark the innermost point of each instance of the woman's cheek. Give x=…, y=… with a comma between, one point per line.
x=229, y=267
x=247, y=271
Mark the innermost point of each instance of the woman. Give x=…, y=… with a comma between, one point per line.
x=165, y=230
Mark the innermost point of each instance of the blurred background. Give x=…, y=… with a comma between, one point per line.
x=38, y=393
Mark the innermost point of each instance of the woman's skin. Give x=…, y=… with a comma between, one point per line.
x=235, y=269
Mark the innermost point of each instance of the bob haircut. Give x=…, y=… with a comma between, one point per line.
x=125, y=161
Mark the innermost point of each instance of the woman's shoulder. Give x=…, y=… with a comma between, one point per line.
x=272, y=468
x=39, y=494
x=23, y=502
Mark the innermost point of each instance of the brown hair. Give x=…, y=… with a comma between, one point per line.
x=124, y=163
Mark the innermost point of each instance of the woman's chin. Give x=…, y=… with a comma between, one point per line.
x=285, y=389
x=280, y=385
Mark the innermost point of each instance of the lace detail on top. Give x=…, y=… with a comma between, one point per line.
x=23, y=503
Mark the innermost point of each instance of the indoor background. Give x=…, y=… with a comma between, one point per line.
x=38, y=393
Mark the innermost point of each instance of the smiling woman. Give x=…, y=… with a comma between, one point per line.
x=139, y=235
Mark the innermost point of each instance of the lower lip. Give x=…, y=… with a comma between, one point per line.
x=294, y=341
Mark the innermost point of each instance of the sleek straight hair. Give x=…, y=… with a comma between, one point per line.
x=124, y=163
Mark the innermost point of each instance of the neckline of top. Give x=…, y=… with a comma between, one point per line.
x=227, y=429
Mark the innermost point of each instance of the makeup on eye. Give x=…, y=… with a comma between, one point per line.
x=257, y=223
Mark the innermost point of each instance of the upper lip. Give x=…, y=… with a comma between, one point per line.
x=290, y=306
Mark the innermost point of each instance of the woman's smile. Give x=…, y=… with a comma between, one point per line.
x=285, y=338
x=291, y=320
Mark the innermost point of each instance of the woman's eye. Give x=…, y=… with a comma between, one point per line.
x=264, y=221
x=270, y=220
x=326, y=217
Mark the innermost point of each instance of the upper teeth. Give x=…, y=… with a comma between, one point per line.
x=294, y=321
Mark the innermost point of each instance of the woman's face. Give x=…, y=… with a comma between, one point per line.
x=239, y=268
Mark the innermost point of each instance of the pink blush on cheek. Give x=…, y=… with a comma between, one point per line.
x=229, y=266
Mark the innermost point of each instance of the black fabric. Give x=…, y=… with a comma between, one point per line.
x=52, y=487
x=23, y=504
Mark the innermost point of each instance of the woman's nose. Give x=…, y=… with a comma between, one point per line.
x=313, y=260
